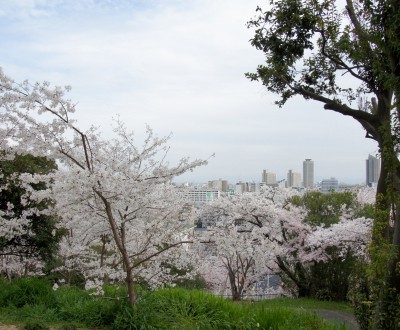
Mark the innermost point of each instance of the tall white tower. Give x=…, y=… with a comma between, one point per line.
x=308, y=173
x=268, y=177
x=293, y=179
x=373, y=170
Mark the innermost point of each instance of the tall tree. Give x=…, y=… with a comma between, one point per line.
x=111, y=194
x=316, y=50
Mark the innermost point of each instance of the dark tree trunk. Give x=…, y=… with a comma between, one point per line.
x=386, y=237
x=297, y=277
x=236, y=294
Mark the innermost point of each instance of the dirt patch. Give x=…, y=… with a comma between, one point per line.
x=8, y=327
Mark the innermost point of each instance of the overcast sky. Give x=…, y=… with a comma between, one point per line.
x=178, y=65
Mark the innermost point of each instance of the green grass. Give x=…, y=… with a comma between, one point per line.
x=183, y=309
x=307, y=303
x=32, y=301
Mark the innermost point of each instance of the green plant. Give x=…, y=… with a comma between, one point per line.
x=193, y=309
x=169, y=308
x=35, y=325
x=27, y=291
x=70, y=326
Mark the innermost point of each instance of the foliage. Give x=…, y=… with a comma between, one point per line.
x=29, y=226
x=309, y=47
x=72, y=308
x=360, y=296
x=35, y=325
x=325, y=209
x=195, y=282
x=26, y=291
x=312, y=260
x=330, y=279
x=182, y=309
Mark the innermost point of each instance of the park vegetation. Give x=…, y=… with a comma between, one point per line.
x=32, y=304
x=110, y=215
x=346, y=55
x=84, y=212
x=87, y=212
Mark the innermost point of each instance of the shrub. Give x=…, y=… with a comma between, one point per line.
x=27, y=291
x=76, y=305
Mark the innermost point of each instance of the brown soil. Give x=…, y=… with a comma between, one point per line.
x=8, y=327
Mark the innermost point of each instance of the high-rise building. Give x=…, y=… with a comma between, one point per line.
x=221, y=185
x=373, y=170
x=242, y=187
x=293, y=179
x=308, y=173
x=329, y=185
x=268, y=177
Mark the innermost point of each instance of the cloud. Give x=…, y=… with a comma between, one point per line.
x=178, y=66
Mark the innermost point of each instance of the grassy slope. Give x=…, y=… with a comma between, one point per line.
x=32, y=300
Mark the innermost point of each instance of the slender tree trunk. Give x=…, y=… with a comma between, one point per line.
x=69, y=278
x=103, y=249
x=130, y=285
x=119, y=239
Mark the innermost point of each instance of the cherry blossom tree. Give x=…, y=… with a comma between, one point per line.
x=235, y=258
x=288, y=243
x=239, y=246
x=110, y=194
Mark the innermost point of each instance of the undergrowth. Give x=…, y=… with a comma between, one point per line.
x=30, y=301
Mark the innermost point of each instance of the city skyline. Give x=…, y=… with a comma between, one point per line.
x=307, y=179
x=178, y=67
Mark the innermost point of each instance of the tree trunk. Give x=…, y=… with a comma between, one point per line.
x=297, y=276
x=236, y=294
x=388, y=304
x=130, y=285
x=386, y=239
x=303, y=291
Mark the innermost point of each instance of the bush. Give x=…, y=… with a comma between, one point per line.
x=76, y=305
x=360, y=296
x=26, y=291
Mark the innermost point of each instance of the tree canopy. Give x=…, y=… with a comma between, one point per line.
x=345, y=55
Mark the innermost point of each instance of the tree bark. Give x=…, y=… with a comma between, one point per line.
x=296, y=276
x=131, y=289
x=386, y=237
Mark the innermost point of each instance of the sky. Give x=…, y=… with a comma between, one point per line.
x=178, y=66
